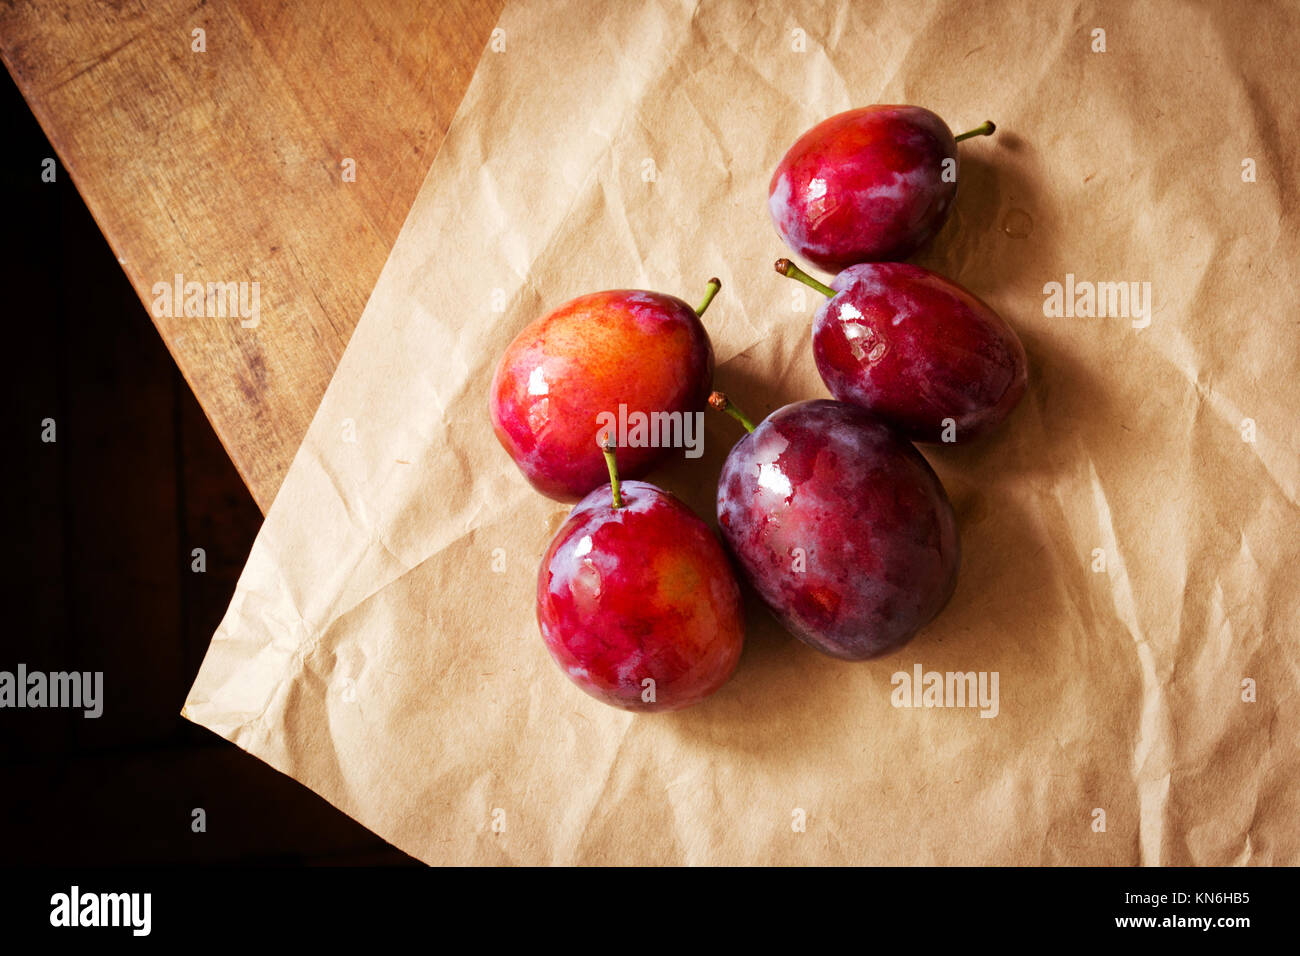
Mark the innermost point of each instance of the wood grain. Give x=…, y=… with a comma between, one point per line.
x=226, y=166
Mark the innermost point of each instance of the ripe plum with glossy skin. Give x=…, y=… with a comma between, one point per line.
x=640, y=592
x=917, y=350
x=866, y=185
x=646, y=350
x=840, y=526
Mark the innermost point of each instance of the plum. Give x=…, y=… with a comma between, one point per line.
x=637, y=601
x=840, y=525
x=645, y=350
x=867, y=185
x=916, y=349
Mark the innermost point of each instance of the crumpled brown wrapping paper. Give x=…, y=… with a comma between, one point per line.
x=376, y=651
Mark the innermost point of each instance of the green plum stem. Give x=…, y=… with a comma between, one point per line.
x=723, y=404
x=984, y=129
x=714, y=285
x=607, y=446
x=792, y=271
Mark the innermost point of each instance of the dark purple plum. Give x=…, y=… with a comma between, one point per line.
x=915, y=349
x=840, y=526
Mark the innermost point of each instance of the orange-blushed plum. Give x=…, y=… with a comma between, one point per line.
x=867, y=185
x=616, y=353
x=637, y=601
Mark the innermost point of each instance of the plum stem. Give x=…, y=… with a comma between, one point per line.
x=984, y=129
x=792, y=271
x=714, y=285
x=607, y=446
x=723, y=404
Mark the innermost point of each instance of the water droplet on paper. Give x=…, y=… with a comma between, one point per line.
x=1017, y=224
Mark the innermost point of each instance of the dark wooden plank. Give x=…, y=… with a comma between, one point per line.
x=101, y=527
x=120, y=448
x=137, y=807
x=219, y=517
x=33, y=588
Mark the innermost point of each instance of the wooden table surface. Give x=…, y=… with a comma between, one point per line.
x=227, y=165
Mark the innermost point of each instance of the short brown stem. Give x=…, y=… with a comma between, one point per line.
x=792, y=271
x=720, y=402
